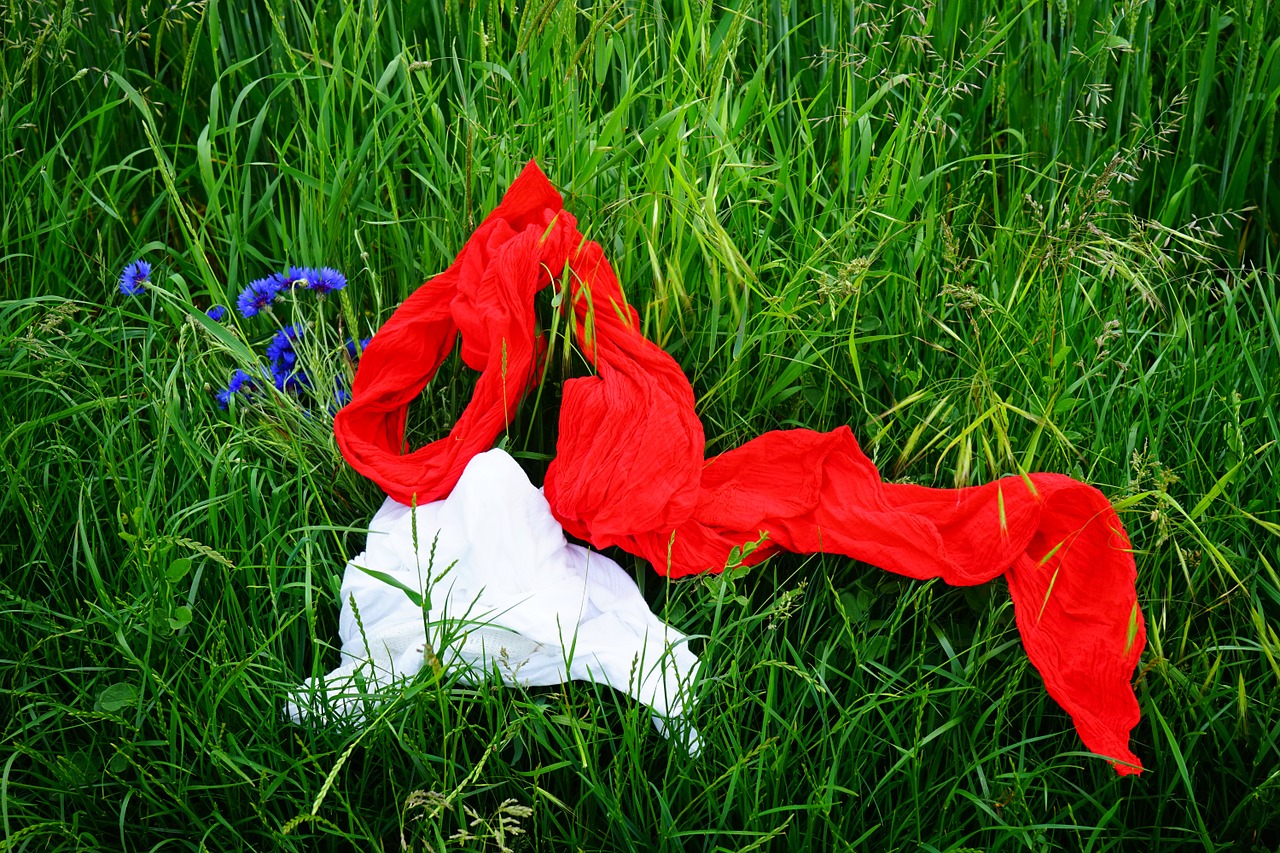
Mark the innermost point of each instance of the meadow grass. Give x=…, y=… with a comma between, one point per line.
x=1043, y=240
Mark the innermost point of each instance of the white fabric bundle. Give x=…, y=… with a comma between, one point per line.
x=503, y=591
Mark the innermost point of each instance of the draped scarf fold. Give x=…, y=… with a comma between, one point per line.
x=630, y=470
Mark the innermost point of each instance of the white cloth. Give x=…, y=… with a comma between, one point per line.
x=503, y=591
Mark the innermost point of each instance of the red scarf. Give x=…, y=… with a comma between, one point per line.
x=630, y=471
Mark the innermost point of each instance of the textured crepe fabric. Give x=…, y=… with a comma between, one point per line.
x=630, y=468
x=504, y=592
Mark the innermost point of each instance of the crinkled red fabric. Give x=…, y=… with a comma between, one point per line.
x=630, y=470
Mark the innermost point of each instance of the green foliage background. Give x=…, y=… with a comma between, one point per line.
x=1041, y=240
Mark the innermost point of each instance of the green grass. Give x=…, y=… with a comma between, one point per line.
x=1044, y=241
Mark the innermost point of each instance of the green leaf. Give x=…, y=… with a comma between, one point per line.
x=116, y=697
x=875, y=648
x=1133, y=628
x=856, y=604
x=414, y=595
x=977, y=597
x=178, y=569
x=1223, y=481
x=181, y=618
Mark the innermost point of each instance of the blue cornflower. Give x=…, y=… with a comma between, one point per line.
x=280, y=350
x=240, y=382
x=216, y=313
x=287, y=378
x=304, y=276
x=133, y=278
x=327, y=280
x=257, y=296
x=351, y=348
